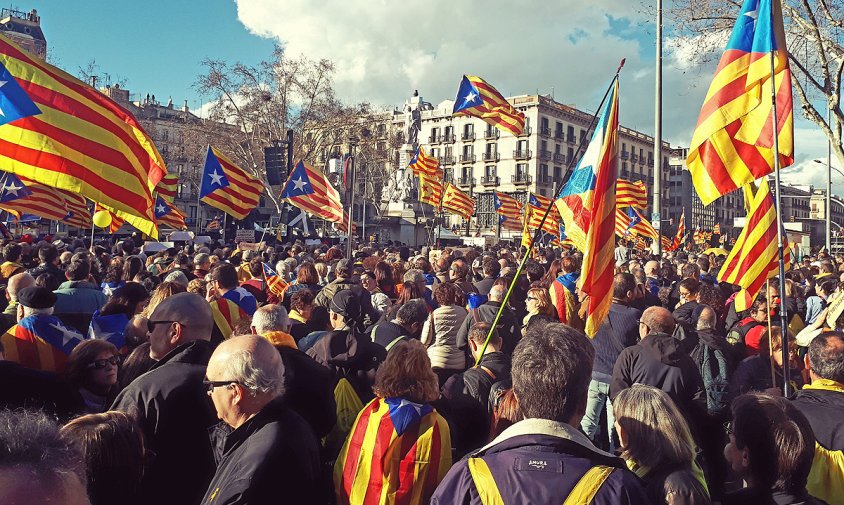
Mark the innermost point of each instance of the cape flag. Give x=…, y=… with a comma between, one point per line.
x=458, y=202
x=508, y=208
x=19, y=195
x=276, y=284
x=755, y=257
x=597, y=183
x=430, y=189
x=214, y=224
x=60, y=132
x=631, y=194
x=308, y=189
x=41, y=342
x=78, y=212
x=666, y=244
x=733, y=142
x=540, y=204
x=681, y=232
x=110, y=328
x=226, y=314
x=421, y=163
x=244, y=299
x=477, y=98
x=396, y=452
x=168, y=214
x=575, y=202
x=640, y=225
x=168, y=187
x=116, y=221
x=227, y=187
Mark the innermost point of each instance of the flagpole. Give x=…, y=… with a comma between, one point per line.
x=786, y=368
x=223, y=231
x=656, y=215
x=536, y=232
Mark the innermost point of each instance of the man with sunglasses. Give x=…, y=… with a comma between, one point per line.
x=171, y=403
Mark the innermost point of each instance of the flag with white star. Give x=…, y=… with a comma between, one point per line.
x=110, y=328
x=308, y=189
x=477, y=98
x=41, y=342
x=227, y=187
x=21, y=196
x=166, y=214
x=14, y=102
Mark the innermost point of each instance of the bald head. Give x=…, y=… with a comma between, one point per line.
x=496, y=294
x=17, y=282
x=651, y=268
x=189, y=309
x=658, y=320
x=707, y=319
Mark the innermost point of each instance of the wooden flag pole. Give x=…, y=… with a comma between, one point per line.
x=786, y=368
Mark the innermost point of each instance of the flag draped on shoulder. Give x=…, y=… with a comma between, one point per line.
x=477, y=98
x=308, y=189
x=276, y=284
x=576, y=201
x=41, y=342
x=421, y=163
x=596, y=278
x=227, y=187
x=226, y=314
x=20, y=195
x=734, y=139
x=397, y=452
x=458, y=202
x=60, y=132
x=430, y=189
x=755, y=257
x=167, y=214
x=631, y=194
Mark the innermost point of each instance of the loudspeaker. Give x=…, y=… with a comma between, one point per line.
x=276, y=165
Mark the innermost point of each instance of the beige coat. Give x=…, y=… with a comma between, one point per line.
x=441, y=340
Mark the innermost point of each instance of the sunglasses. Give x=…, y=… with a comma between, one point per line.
x=210, y=385
x=152, y=324
x=104, y=363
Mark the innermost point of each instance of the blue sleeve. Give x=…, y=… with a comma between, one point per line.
x=621, y=488
x=455, y=488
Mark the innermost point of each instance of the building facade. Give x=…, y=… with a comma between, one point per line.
x=24, y=29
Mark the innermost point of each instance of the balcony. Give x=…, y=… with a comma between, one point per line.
x=545, y=155
x=465, y=181
x=447, y=138
x=559, y=135
x=625, y=155
x=571, y=139
x=545, y=130
x=545, y=179
x=446, y=160
x=633, y=158
x=520, y=179
x=492, y=133
x=467, y=158
x=491, y=156
x=523, y=154
x=559, y=158
x=651, y=163
x=468, y=136
x=490, y=180
x=525, y=132
x=434, y=139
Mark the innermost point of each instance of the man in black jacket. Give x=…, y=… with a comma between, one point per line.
x=507, y=328
x=170, y=402
x=265, y=452
x=491, y=269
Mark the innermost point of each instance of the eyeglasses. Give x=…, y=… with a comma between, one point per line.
x=104, y=363
x=643, y=324
x=152, y=324
x=531, y=298
x=210, y=385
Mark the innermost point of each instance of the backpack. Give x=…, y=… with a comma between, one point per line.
x=713, y=370
x=349, y=406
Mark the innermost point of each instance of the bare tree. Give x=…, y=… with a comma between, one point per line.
x=814, y=32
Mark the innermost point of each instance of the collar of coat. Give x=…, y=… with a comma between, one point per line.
x=545, y=427
x=825, y=385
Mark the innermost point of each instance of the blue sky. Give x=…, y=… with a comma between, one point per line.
x=156, y=45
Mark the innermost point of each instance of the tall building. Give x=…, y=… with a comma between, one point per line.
x=24, y=29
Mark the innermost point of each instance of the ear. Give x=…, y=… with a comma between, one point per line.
x=176, y=336
x=806, y=363
x=745, y=458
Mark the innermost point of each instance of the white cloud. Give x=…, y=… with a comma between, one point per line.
x=812, y=145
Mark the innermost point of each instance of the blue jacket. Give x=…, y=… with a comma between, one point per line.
x=539, y=462
x=79, y=297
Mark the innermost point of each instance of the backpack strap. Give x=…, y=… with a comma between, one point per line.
x=488, y=372
x=588, y=485
x=394, y=342
x=485, y=484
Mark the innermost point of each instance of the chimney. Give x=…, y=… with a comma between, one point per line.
x=185, y=107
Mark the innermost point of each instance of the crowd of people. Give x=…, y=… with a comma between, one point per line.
x=215, y=375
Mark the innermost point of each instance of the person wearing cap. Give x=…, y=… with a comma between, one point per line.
x=346, y=281
x=39, y=340
x=345, y=351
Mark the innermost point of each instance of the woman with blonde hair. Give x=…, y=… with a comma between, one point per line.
x=162, y=291
x=657, y=445
x=539, y=308
x=374, y=463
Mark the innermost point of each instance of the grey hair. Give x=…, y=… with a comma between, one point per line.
x=29, y=311
x=283, y=269
x=201, y=258
x=414, y=275
x=271, y=317
x=414, y=311
x=242, y=367
x=178, y=277
x=707, y=319
x=497, y=293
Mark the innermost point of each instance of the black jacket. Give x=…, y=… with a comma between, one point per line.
x=619, y=331
x=485, y=285
x=658, y=361
x=677, y=486
x=754, y=374
x=309, y=390
x=36, y=389
x=273, y=458
x=175, y=414
x=508, y=330
x=824, y=409
x=350, y=356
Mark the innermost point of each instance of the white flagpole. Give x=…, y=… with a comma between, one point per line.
x=786, y=389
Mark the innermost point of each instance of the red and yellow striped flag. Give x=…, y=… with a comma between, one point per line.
x=116, y=221
x=430, y=189
x=310, y=190
x=540, y=204
x=596, y=278
x=458, y=202
x=73, y=137
x=755, y=257
x=396, y=452
x=424, y=164
x=168, y=187
x=228, y=187
x=631, y=194
x=477, y=98
x=20, y=195
x=78, y=213
x=733, y=142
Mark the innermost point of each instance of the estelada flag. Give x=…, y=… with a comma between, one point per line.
x=477, y=98
x=397, y=452
x=166, y=213
x=458, y=202
x=275, y=284
x=41, y=342
x=310, y=190
x=19, y=195
x=226, y=315
x=60, y=132
x=228, y=187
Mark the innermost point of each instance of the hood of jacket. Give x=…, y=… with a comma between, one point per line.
x=708, y=337
x=664, y=348
x=79, y=285
x=341, y=348
x=196, y=352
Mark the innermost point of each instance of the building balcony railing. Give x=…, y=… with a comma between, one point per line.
x=447, y=139
x=525, y=132
x=545, y=130
x=467, y=136
x=559, y=135
x=446, y=160
x=633, y=158
x=434, y=139
x=559, y=158
x=625, y=155
x=467, y=158
x=521, y=179
x=651, y=163
x=492, y=133
x=545, y=155
x=490, y=180
x=465, y=181
x=571, y=139
x=523, y=154
x=491, y=156
x=545, y=179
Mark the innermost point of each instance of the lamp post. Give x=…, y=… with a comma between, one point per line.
x=349, y=176
x=656, y=218
x=828, y=203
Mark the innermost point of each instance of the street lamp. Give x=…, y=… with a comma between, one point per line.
x=830, y=168
x=350, y=191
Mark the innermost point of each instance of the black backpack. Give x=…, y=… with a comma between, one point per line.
x=714, y=371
